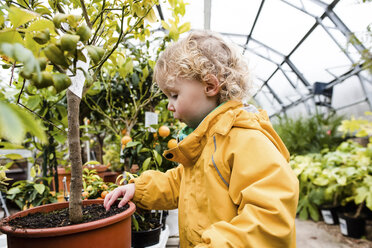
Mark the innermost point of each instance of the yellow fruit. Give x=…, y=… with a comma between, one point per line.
x=55, y=55
x=84, y=32
x=58, y=18
x=46, y=80
x=125, y=140
x=172, y=143
x=164, y=131
x=69, y=42
x=42, y=37
x=42, y=63
x=61, y=81
x=96, y=53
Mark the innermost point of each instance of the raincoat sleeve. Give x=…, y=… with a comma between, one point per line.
x=157, y=190
x=265, y=191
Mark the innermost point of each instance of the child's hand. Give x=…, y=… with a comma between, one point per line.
x=127, y=191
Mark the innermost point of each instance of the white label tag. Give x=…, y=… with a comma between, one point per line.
x=343, y=226
x=77, y=81
x=151, y=118
x=327, y=216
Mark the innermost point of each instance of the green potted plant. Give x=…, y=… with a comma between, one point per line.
x=44, y=52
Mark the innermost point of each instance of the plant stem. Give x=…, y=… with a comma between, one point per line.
x=75, y=206
x=359, y=210
x=85, y=14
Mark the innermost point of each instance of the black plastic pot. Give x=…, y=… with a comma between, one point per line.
x=329, y=214
x=368, y=230
x=350, y=226
x=146, y=238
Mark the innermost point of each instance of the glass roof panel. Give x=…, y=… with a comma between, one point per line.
x=265, y=100
x=295, y=80
x=313, y=58
x=347, y=9
x=241, y=15
x=283, y=89
x=349, y=92
x=260, y=67
x=283, y=29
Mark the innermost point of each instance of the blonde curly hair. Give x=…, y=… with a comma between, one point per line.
x=201, y=54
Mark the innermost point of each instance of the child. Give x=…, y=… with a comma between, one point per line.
x=233, y=186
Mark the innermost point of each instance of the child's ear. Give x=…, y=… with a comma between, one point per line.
x=212, y=86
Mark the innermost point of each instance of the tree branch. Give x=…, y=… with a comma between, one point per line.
x=12, y=74
x=85, y=14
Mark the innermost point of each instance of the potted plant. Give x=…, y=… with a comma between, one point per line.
x=353, y=224
x=45, y=52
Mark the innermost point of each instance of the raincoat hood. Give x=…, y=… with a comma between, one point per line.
x=221, y=121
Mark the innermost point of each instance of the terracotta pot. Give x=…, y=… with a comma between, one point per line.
x=112, y=232
x=110, y=176
x=100, y=168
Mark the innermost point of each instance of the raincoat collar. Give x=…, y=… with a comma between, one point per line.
x=220, y=121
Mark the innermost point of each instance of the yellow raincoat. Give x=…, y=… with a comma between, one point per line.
x=233, y=187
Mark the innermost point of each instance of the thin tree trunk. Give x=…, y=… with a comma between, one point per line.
x=75, y=206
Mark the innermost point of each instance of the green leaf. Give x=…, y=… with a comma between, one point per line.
x=314, y=213
x=32, y=125
x=13, y=156
x=10, y=36
x=132, y=143
x=13, y=191
x=40, y=188
x=18, y=16
x=304, y=215
x=33, y=102
x=92, y=162
x=184, y=27
x=146, y=164
x=158, y=158
x=11, y=126
x=33, y=172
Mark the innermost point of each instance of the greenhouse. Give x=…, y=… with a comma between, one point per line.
x=128, y=123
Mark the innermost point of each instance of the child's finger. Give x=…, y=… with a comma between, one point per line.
x=112, y=198
x=124, y=201
x=106, y=200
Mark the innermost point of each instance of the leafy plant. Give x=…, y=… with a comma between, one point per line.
x=44, y=44
x=333, y=177
x=357, y=127
x=93, y=185
x=310, y=134
x=28, y=194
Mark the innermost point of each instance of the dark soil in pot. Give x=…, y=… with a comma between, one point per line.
x=59, y=218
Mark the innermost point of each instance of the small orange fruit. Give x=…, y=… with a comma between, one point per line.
x=126, y=139
x=104, y=193
x=172, y=143
x=164, y=131
x=155, y=135
x=85, y=194
x=124, y=131
x=104, y=186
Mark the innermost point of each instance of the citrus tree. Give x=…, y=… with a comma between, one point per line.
x=63, y=48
